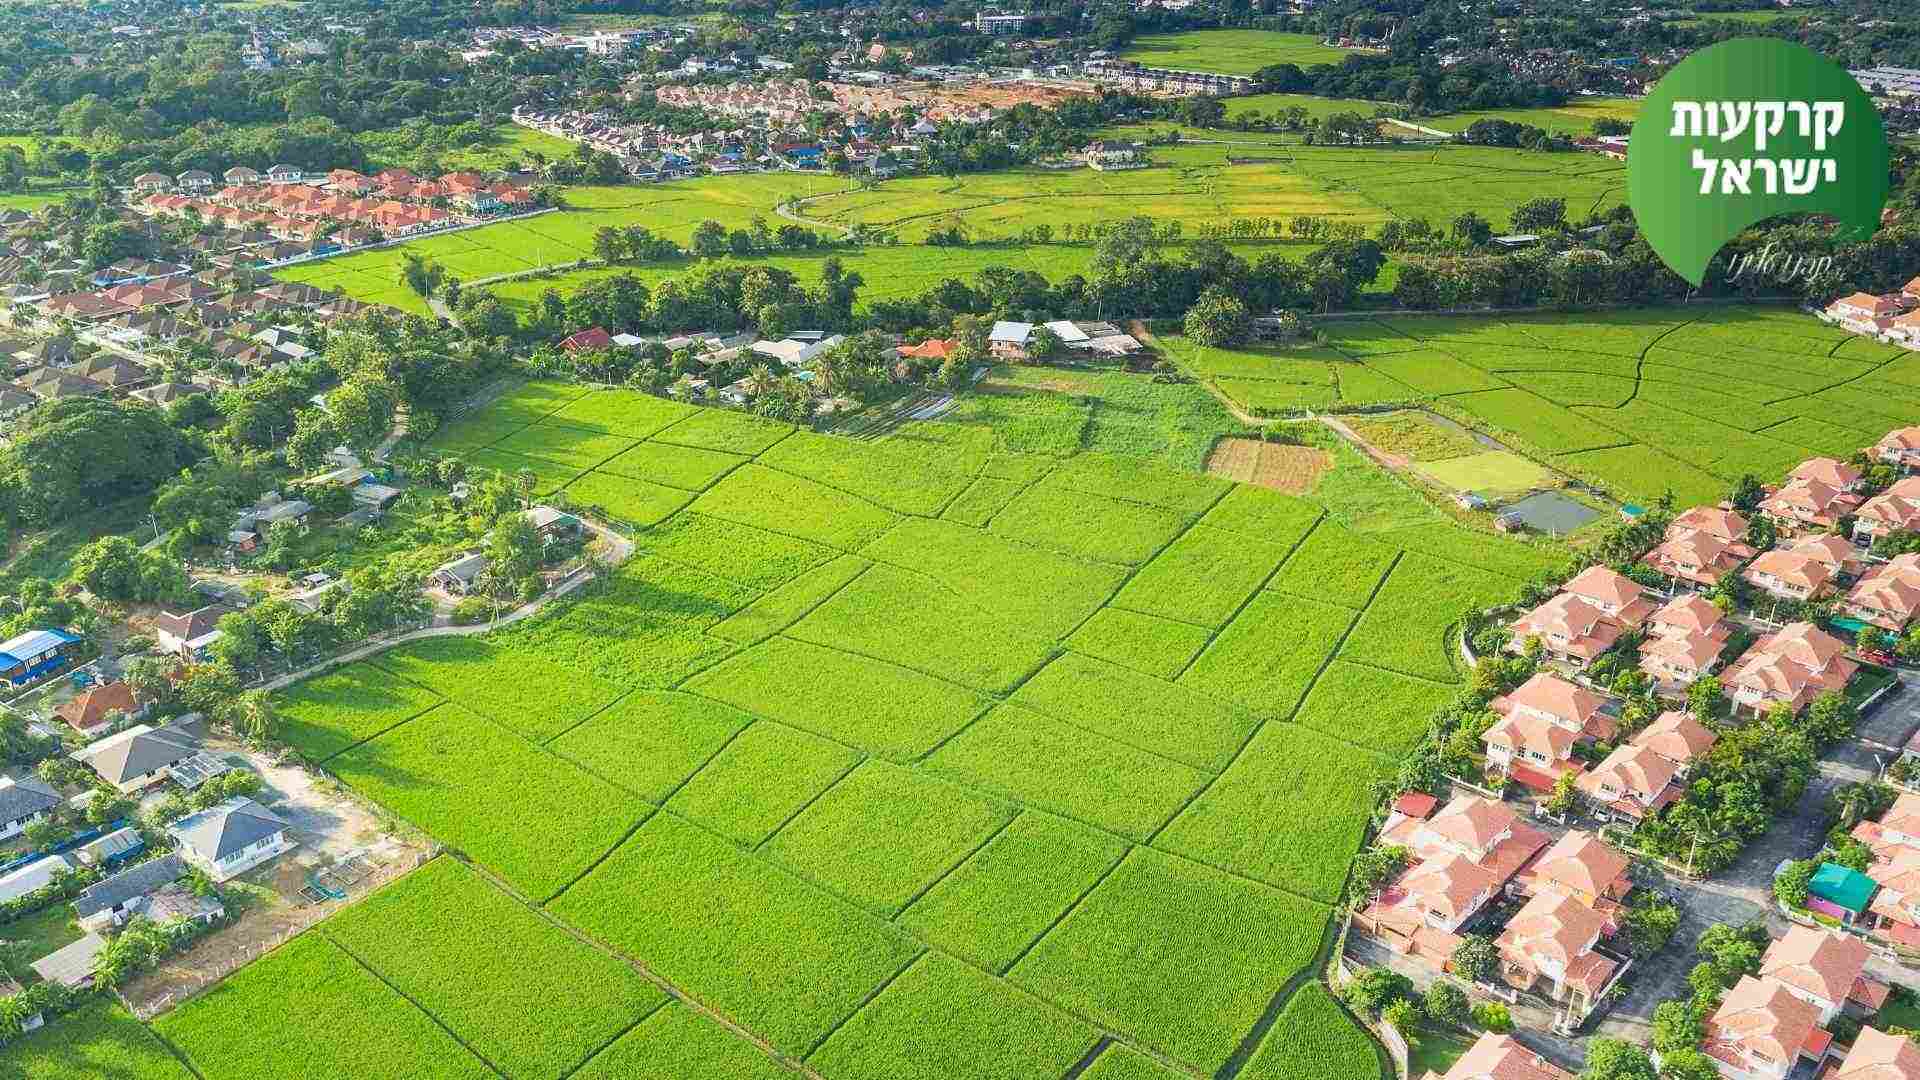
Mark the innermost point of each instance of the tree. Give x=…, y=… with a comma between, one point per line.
x=1831, y=717
x=710, y=239
x=253, y=717
x=1472, y=230
x=78, y=454
x=1376, y=988
x=1476, y=958
x=1706, y=698
x=1675, y=1027
x=1612, y=1059
x=1216, y=320
x=1404, y=1015
x=1747, y=493
x=420, y=275
x=1561, y=801
x=363, y=409
x=1372, y=869
x=1044, y=344
x=1540, y=216
x=513, y=554
x=1447, y=1004
x=314, y=437
x=1492, y=1016
x=1687, y=1063
x=1790, y=887
x=114, y=568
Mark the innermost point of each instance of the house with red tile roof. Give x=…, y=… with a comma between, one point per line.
x=1616, y=595
x=1830, y=471
x=1877, y=1055
x=930, y=349
x=1633, y=783
x=1789, y=575
x=1887, y=596
x=1464, y=856
x=1827, y=969
x=1569, y=629
x=1540, y=723
x=1762, y=1031
x=1865, y=313
x=1581, y=865
x=1697, y=556
x=1716, y=521
x=1550, y=947
x=1678, y=737
x=591, y=338
x=1896, y=509
x=1790, y=667
x=1808, y=506
x=1501, y=1057
x=1899, y=448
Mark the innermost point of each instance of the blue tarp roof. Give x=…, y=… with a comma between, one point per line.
x=35, y=642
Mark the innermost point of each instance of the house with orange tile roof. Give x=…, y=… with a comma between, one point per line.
x=1887, y=596
x=1677, y=661
x=1501, y=1057
x=1896, y=509
x=1808, y=506
x=1877, y=1055
x=1895, y=843
x=1899, y=448
x=1690, y=614
x=1569, y=629
x=1618, y=596
x=1789, y=575
x=1839, y=556
x=1678, y=737
x=1789, y=667
x=1716, y=521
x=1633, y=783
x=1581, y=865
x=1540, y=723
x=1697, y=556
x=1551, y=947
x=1464, y=856
x=1827, y=969
x=930, y=349
x=1761, y=1031
x=1830, y=471
x=1865, y=313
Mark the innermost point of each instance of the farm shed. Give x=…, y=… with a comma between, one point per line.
x=72, y=965
x=113, y=901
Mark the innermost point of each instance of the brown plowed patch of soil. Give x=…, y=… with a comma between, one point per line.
x=1293, y=469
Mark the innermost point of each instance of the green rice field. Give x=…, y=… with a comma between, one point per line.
x=1637, y=401
x=1230, y=52
x=848, y=767
x=1575, y=118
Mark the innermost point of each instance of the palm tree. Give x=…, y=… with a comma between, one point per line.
x=760, y=381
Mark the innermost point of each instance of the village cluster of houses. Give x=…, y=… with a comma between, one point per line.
x=1140, y=78
x=651, y=152
x=1892, y=317
x=220, y=842
x=342, y=205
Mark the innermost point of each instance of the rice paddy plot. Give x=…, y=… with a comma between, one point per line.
x=1573, y=119
x=943, y=1019
x=760, y=780
x=621, y=412
x=1205, y=575
x=1030, y=586
x=1161, y=717
x=1065, y=770
x=530, y=816
x=997, y=903
x=781, y=607
x=1230, y=52
x=884, y=834
x=749, y=556
x=1491, y=473
x=1335, y=565
x=1373, y=707
x=457, y=947
x=674, y=466
x=1147, y=644
x=651, y=742
x=1291, y=811
x=323, y=716
x=1186, y=986
x=1401, y=631
x=1265, y=659
x=528, y=694
x=781, y=502
x=886, y=710
x=369, y=1028
x=783, y=957
x=96, y=1040
x=1089, y=526
x=674, y=1043
x=1314, y=1039
x=623, y=499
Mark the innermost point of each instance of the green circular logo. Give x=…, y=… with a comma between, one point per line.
x=1747, y=130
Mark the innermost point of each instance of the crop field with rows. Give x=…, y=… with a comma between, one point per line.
x=1636, y=401
x=830, y=773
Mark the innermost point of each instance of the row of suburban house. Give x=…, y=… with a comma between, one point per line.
x=1894, y=317
x=344, y=205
